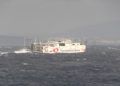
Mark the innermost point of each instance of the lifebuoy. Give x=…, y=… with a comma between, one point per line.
x=55, y=50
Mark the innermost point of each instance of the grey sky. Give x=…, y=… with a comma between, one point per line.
x=63, y=17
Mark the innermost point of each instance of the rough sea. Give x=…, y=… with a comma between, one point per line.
x=99, y=66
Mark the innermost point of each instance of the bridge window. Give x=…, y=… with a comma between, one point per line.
x=73, y=44
x=52, y=45
x=61, y=44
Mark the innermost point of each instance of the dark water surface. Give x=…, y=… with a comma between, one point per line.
x=96, y=67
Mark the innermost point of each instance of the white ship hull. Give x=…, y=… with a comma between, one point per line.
x=22, y=51
x=69, y=49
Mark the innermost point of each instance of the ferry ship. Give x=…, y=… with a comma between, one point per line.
x=60, y=46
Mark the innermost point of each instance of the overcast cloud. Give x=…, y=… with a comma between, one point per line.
x=48, y=18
